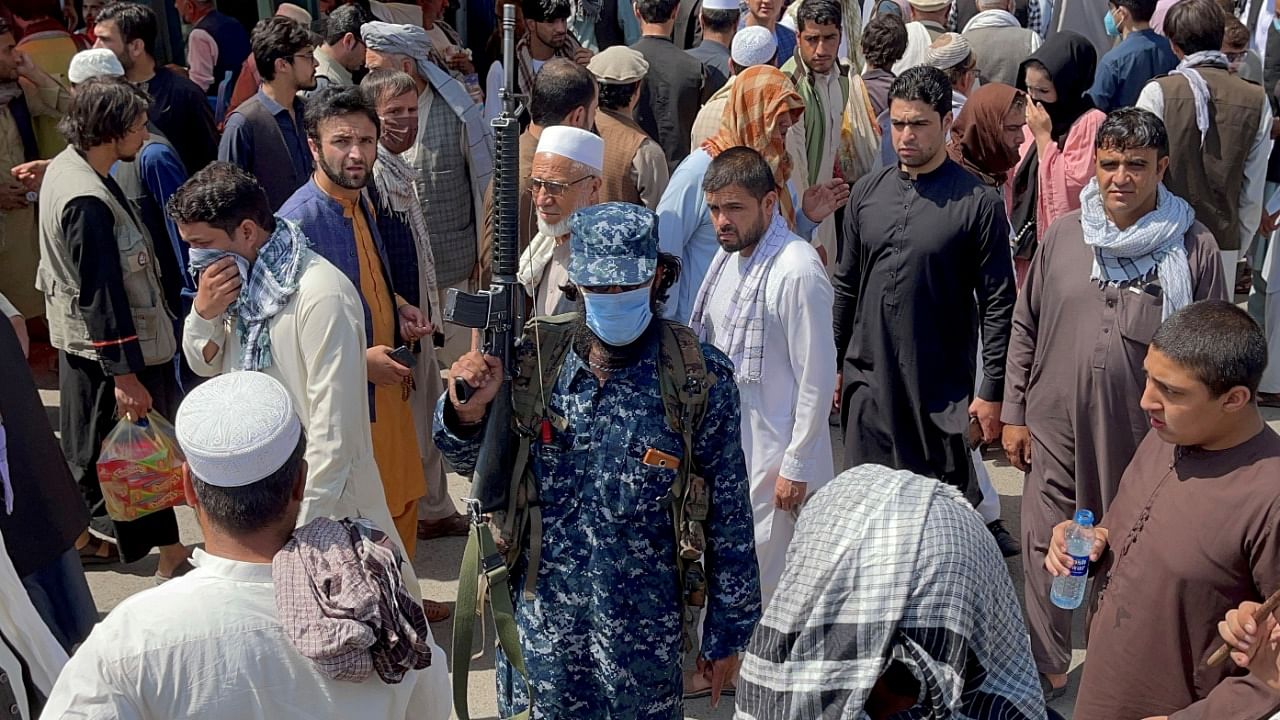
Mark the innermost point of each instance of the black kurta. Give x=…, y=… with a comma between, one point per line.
x=88, y=404
x=182, y=113
x=670, y=97
x=47, y=513
x=925, y=262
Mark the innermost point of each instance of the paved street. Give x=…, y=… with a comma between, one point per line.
x=437, y=568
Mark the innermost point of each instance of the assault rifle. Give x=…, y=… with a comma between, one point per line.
x=499, y=313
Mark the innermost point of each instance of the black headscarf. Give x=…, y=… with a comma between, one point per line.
x=1070, y=61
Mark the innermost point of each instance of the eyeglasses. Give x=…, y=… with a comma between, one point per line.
x=1236, y=56
x=551, y=187
x=304, y=56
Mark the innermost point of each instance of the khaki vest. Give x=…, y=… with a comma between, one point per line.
x=1210, y=176
x=70, y=176
x=622, y=139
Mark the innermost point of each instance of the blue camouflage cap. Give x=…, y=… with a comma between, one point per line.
x=613, y=243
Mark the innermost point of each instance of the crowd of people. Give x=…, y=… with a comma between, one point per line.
x=932, y=229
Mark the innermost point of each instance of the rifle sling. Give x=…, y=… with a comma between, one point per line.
x=480, y=545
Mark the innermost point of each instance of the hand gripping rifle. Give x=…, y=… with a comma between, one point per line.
x=499, y=313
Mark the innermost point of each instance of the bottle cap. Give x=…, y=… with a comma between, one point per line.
x=1084, y=517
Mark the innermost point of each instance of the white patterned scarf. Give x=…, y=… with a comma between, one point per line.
x=1156, y=242
x=1199, y=88
x=888, y=566
x=265, y=287
x=745, y=319
x=398, y=195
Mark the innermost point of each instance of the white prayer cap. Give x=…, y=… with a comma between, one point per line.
x=721, y=5
x=98, y=62
x=949, y=50
x=753, y=46
x=237, y=429
x=296, y=13
x=573, y=143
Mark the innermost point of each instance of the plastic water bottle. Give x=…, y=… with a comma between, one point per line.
x=1068, y=590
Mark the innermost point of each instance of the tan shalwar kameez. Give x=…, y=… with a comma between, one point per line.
x=1075, y=379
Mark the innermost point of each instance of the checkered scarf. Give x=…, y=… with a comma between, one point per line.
x=1155, y=243
x=760, y=96
x=889, y=566
x=266, y=287
x=524, y=60
x=745, y=318
x=343, y=603
x=398, y=196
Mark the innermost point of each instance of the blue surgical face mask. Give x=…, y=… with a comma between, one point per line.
x=619, y=318
x=1109, y=22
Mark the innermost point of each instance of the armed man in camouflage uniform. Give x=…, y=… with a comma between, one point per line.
x=602, y=632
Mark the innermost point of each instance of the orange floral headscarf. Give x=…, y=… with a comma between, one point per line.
x=759, y=98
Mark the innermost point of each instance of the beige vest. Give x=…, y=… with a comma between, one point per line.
x=70, y=176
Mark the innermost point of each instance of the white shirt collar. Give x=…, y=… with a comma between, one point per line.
x=220, y=567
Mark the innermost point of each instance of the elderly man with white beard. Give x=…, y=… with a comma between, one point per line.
x=564, y=178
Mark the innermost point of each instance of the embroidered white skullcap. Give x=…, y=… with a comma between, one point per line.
x=573, y=143
x=98, y=62
x=237, y=429
x=296, y=13
x=753, y=46
x=949, y=50
x=721, y=5
x=929, y=5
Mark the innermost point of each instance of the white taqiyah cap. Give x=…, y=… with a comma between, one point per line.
x=573, y=143
x=948, y=51
x=721, y=5
x=753, y=46
x=98, y=62
x=237, y=429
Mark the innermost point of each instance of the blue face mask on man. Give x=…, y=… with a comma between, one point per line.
x=619, y=318
x=1109, y=22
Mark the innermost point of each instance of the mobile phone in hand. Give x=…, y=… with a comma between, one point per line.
x=404, y=356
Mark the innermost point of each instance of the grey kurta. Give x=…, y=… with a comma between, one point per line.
x=1192, y=536
x=1075, y=378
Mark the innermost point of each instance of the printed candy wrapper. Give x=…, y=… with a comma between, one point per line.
x=140, y=468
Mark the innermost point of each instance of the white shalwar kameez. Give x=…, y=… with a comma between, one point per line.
x=784, y=417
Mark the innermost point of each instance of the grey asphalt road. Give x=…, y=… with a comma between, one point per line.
x=437, y=568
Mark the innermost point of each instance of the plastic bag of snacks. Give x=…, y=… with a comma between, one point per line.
x=140, y=468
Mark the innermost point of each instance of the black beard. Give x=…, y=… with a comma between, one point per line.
x=342, y=180
x=610, y=357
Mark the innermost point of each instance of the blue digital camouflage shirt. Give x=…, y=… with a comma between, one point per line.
x=602, y=634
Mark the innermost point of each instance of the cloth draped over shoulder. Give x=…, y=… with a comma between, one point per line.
x=413, y=42
x=759, y=98
x=747, y=309
x=942, y=605
x=977, y=135
x=1199, y=88
x=267, y=287
x=344, y=604
x=1070, y=61
x=398, y=194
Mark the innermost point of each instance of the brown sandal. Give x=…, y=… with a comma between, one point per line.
x=436, y=611
x=98, y=552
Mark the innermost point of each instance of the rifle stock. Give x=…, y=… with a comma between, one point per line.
x=498, y=311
